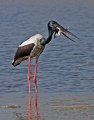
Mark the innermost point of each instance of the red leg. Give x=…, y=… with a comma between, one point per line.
x=29, y=107
x=36, y=89
x=29, y=62
x=35, y=75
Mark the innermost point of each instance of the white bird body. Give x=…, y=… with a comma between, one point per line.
x=31, y=47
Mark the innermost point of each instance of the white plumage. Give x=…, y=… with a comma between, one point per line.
x=34, y=39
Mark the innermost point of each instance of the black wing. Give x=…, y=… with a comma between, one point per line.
x=24, y=51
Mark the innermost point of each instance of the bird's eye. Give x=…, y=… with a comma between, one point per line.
x=41, y=40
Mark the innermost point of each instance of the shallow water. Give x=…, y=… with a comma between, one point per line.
x=68, y=67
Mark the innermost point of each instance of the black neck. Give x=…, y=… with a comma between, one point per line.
x=48, y=39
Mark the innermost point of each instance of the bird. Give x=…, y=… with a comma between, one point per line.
x=35, y=45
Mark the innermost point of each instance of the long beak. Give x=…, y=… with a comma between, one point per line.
x=65, y=32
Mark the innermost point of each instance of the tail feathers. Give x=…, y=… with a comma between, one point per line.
x=15, y=63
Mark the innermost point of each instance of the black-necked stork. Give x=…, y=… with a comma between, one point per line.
x=34, y=46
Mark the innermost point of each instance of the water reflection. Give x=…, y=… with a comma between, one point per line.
x=36, y=101
x=30, y=116
x=35, y=104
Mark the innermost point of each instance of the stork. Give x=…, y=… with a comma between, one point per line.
x=34, y=46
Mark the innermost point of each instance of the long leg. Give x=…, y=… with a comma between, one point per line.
x=36, y=89
x=29, y=62
x=35, y=75
x=29, y=107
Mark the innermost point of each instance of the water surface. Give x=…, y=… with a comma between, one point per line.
x=65, y=67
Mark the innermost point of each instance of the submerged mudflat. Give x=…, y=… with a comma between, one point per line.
x=49, y=107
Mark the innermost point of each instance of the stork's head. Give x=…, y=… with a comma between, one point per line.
x=57, y=29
